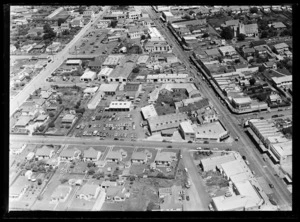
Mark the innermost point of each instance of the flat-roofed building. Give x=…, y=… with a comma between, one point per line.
x=142, y=60
x=119, y=106
x=88, y=76
x=170, y=121
x=214, y=131
x=169, y=78
x=90, y=90
x=208, y=164
x=23, y=121
x=187, y=131
x=155, y=35
x=68, y=118
x=109, y=89
x=74, y=62
x=233, y=168
x=227, y=50
x=157, y=46
x=242, y=102
x=281, y=152
x=112, y=61
x=149, y=111
x=94, y=102
x=165, y=158
x=283, y=80
x=167, y=15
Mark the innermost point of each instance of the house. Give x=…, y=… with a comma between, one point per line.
x=248, y=52
x=91, y=155
x=135, y=32
x=106, y=184
x=88, y=192
x=19, y=187
x=65, y=26
x=281, y=47
x=278, y=25
x=61, y=193
x=46, y=94
x=68, y=119
x=227, y=50
x=114, y=156
x=44, y=153
x=165, y=158
x=77, y=22
x=115, y=193
x=249, y=29
x=260, y=49
x=17, y=148
x=23, y=121
x=41, y=118
x=139, y=157
x=270, y=65
x=275, y=98
x=54, y=47
x=69, y=155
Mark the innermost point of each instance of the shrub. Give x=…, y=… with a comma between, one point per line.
x=63, y=180
x=51, y=124
x=51, y=114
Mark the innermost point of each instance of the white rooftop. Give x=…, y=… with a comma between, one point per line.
x=119, y=105
x=149, y=111
x=187, y=127
x=106, y=71
x=112, y=87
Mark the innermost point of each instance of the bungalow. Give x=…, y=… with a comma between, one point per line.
x=69, y=155
x=270, y=65
x=114, y=156
x=68, y=119
x=61, y=193
x=106, y=184
x=278, y=25
x=23, y=121
x=139, y=157
x=165, y=158
x=260, y=50
x=115, y=193
x=248, y=52
x=54, y=47
x=91, y=154
x=88, y=191
x=281, y=47
x=44, y=153
x=65, y=26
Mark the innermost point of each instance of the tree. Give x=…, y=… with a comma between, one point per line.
x=227, y=33
x=191, y=12
x=241, y=37
x=143, y=37
x=136, y=70
x=186, y=16
x=90, y=164
x=51, y=114
x=59, y=21
x=113, y=23
x=17, y=45
x=261, y=68
x=205, y=35
x=150, y=206
x=252, y=81
x=253, y=10
x=91, y=171
x=39, y=181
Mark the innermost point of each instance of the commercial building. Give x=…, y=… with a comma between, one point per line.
x=187, y=88
x=170, y=121
x=214, y=131
x=114, y=156
x=90, y=90
x=283, y=80
x=121, y=73
x=227, y=50
x=94, y=102
x=167, y=15
x=23, y=121
x=68, y=118
x=88, y=76
x=74, y=62
x=149, y=111
x=281, y=152
x=155, y=35
x=61, y=193
x=112, y=61
x=157, y=46
x=104, y=73
x=176, y=78
x=109, y=89
x=187, y=131
x=242, y=102
x=142, y=60
x=212, y=163
x=135, y=32
x=117, y=106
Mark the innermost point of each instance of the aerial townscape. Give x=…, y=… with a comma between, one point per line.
x=150, y=108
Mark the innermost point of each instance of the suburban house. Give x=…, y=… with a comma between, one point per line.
x=106, y=184
x=69, y=155
x=61, y=193
x=91, y=155
x=65, y=26
x=139, y=157
x=44, y=153
x=281, y=47
x=165, y=158
x=270, y=65
x=114, y=156
x=88, y=191
x=18, y=188
x=115, y=193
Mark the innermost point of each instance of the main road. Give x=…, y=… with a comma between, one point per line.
x=39, y=80
x=246, y=147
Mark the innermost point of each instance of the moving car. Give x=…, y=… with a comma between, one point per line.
x=199, y=148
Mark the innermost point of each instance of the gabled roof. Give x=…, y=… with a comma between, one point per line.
x=68, y=153
x=114, y=155
x=139, y=156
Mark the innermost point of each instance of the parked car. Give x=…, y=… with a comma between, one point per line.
x=206, y=142
x=271, y=185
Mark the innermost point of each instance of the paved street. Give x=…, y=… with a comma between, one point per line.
x=39, y=80
x=246, y=147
